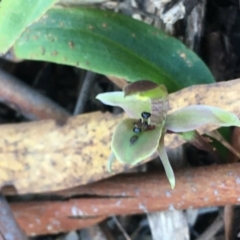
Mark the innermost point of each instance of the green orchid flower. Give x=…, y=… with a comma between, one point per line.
x=142, y=135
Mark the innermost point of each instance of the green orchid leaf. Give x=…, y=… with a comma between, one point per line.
x=195, y=116
x=79, y=2
x=132, y=148
x=166, y=164
x=132, y=105
x=112, y=44
x=16, y=16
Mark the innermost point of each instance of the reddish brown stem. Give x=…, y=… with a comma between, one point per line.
x=136, y=193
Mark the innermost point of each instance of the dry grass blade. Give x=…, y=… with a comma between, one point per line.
x=213, y=228
x=121, y=228
x=84, y=92
x=216, y=135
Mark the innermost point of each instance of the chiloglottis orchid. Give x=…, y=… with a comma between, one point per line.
x=142, y=135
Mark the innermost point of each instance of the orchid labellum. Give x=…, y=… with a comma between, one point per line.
x=142, y=135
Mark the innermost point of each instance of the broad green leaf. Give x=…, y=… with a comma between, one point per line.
x=195, y=116
x=80, y=2
x=132, y=148
x=111, y=44
x=16, y=16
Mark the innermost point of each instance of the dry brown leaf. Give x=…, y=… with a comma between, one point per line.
x=45, y=156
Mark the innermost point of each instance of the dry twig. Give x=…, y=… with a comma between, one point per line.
x=84, y=92
x=213, y=228
x=9, y=228
x=27, y=101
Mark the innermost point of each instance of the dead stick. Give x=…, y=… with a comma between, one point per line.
x=210, y=232
x=9, y=228
x=140, y=193
x=84, y=92
x=27, y=101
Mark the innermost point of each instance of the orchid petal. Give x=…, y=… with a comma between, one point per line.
x=166, y=164
x=195, y=116
x=133, y=105
x=110, y=161
x=132, y=148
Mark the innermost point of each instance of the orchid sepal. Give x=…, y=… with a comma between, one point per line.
x=166, y=164
x=195, y=116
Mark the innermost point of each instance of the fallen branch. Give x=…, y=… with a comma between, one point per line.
x=52, y=157
x=131, y=194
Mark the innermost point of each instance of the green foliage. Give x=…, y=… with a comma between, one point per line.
x=111, y=44
x=16, y=16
